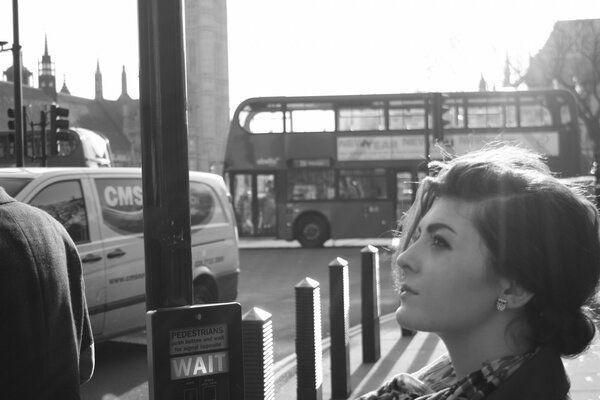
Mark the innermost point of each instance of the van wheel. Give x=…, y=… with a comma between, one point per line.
x=312, y=231
x=205, y=292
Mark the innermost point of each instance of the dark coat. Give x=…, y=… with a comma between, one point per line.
x=541, y=377
x=44, y=320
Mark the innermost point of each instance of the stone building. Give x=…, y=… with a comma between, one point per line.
x=118, y=120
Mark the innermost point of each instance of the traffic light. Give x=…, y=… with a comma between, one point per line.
x=439, y=110
x=11, y=119
x=58, y=124
x=58, y=119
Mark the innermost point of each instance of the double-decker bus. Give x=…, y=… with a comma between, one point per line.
x=75, y=147
x=321, y=167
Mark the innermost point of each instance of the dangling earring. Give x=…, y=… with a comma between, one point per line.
x=501, y=304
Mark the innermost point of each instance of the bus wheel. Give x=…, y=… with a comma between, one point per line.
x=312, y=231
x=205, y=291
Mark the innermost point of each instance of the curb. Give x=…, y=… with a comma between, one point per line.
x=272, y=243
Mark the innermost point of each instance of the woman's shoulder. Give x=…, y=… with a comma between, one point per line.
x=541, y=376
x=435, y=376
x=401, y=387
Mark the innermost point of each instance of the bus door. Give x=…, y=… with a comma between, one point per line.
x=254, y=203
x=364, y=208
x=405, y=191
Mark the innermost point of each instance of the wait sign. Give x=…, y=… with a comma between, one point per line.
x=199, y=364
x=195, y=352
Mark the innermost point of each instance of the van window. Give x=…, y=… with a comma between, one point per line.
x=12, y=186
x=64, y=201
x=205, y=207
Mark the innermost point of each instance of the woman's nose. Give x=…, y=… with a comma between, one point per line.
x=405, y=260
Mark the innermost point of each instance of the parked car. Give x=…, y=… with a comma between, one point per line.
x=102, y=211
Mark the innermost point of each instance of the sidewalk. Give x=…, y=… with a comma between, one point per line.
x=408, y=354
x=397, y=354
x=400, y=354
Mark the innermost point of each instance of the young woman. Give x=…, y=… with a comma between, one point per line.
x=502, y=261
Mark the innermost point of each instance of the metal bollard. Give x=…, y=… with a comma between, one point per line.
x=259, y=365
x=309, y=350
x=370, y=304
x=339, y=322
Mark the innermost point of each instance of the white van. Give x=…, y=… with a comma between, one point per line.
x=102, y=211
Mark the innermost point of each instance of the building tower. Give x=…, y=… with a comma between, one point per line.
x=207, y=83
x=506, y=82
x=482, y=84
x=124, y=95
x=123, y=82
x=65, y=89
x=46, y=78
x=99, y=95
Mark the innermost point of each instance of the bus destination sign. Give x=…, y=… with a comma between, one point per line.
x=369, y=148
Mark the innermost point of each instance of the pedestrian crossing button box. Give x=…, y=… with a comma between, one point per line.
x=195, y=352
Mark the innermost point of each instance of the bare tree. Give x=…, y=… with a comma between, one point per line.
x=570, y=59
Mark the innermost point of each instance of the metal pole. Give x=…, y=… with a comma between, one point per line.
x=16, y=49
x=33, y=147
x=259, y=367
x=339, y=323
x=165, y=171
x=25, y=133
x=370, y=304
x=44, y=139
x=309, y=348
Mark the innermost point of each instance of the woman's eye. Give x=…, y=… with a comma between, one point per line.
x=439, y=241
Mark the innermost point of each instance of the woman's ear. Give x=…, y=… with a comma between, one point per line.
x=516, y=296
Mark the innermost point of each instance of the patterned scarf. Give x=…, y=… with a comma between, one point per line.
x=437, y=381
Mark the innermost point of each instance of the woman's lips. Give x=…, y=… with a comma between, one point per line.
x=407, y=289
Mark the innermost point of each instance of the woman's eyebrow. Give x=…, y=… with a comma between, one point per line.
x=437, y=226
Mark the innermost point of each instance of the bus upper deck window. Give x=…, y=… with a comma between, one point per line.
x=361, y=119
x=309, y=117
x=260, y=119
x=535, y=115
x=243, y=116
x=485, y=113
x=565, y=114
x=484, y=117
x=407, y=118
x=510, y=115
x=534, y=111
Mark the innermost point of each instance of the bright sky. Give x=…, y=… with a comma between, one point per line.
x=304, y=47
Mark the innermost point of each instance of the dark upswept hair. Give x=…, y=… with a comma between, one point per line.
x=541, y=234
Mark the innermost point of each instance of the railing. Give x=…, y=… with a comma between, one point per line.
x=257, y=330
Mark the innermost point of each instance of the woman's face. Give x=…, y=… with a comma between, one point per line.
x=445, y=284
